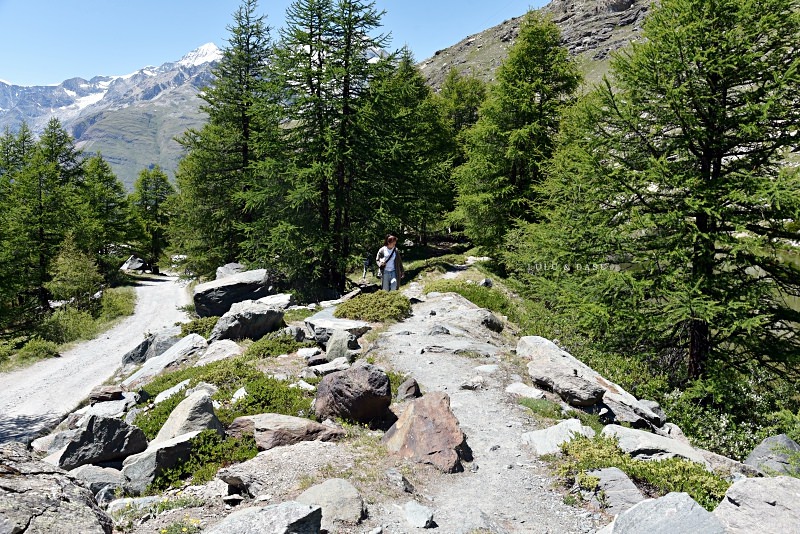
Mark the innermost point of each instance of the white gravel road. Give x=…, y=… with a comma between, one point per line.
x=38, y=397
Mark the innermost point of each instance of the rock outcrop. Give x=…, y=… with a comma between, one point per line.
x=248, y=319
x=287, y=517
x=672, y=513
x=772, y=456
x=764, y=505
x=648, y=446
x=216, y=298
x=549, y=440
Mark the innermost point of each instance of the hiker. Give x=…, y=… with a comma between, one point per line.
x=390, y=264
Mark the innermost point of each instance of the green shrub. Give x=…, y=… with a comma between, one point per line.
x=209, y=453
x=38, y=349
x=151, y=421
x=117, y=302
x=375, y=307
x=274, y=345
x=395, y=379
x=663, y=476
x=202, y=326
x=68, y=324
x=6, y=351
x=267, y=395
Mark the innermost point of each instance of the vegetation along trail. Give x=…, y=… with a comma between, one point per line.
x=37, y=397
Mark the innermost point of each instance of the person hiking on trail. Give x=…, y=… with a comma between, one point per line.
x=390, y=264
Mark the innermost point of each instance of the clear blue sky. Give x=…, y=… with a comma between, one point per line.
x=46, y=42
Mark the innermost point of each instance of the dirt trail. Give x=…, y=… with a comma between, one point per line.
x=37, y=397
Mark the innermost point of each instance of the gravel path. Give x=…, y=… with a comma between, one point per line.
x=36, y=398
x=507, y=488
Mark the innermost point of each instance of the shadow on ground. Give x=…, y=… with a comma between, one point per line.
x=26, y=428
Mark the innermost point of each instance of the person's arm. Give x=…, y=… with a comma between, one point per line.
x=379, y=256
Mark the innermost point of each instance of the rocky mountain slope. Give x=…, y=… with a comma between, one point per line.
x=131, y=120
x=591, y=30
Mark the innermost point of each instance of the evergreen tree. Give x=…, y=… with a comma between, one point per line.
x=675, y=176
x=216, y=170
x=460, y=99
x=75, y=277
x=149, y=205
x=513, y=137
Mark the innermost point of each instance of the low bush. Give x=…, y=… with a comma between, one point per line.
x=275, y=345
x=375, y=307
x=267, y=395
x=6, y=351
x=37, y=349
x=151, y=421
x=68, y=324
x=202, y=326
x=209, y=453
x=117, y=302
x=655, y=478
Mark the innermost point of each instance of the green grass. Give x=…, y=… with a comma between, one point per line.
x=275, y=345
x=551, y=410
x=299, y=314
x=202, y=326
x=376, y=307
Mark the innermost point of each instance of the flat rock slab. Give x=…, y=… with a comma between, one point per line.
x=763, y=505
x=549, y=440
x=220, y=350
x=276, y=430
x=36, y=497
x=647, y=446
x=287, y=517
x=96, y=478
x=326, y=322
x=671, y=514
x=525, y=391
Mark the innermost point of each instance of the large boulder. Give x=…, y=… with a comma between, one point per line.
x=643, y=445
x=549, y=440
x=175, y=355
x=772, y=456
x=276, y=430
x=102, y=439
x=141, y=469
x=361, y=393
x=216, y=298
x=763, y=505
x=154, y=344
x=229, y=269
x=220, y=350
x=96, y=478
x=339, y=500
x=247, y=320
x=580, y=385
x=194, y=413
x=670, y=514
x=37, y=498
x=428, y=432
x=287, y=517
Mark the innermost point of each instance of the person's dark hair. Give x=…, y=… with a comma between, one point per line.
x=389, y=237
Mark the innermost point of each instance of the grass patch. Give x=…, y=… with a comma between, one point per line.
x=655, y=478
x=275, y=345
x=117, y=302
x=37, y=349
x=209, y=453
x=202, y=326
x=298, y=314
x=395, y=379
x=68, y=324
x=552, y=410
x=377, y=307
x=486, y=297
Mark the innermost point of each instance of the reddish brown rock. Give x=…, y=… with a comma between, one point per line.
x=106, y=393
x=361, y=393
x=428, y=432
x=276, y=430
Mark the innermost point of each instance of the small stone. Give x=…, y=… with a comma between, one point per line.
x=474, y=383
x=433, y=312
x=417, y=515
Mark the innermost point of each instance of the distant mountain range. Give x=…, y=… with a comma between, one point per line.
x=133, y=120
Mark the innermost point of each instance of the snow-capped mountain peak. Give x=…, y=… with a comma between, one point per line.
x=204, y=54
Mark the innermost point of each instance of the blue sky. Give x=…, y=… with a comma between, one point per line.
x=46, y=42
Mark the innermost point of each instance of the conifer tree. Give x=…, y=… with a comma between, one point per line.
x=149, y=205
x=513, y=137
x=673, y=173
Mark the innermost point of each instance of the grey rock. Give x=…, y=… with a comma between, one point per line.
x=276, y=430
x=229, y=269
x=647, y=446
x=772, y=456
x=95, y=478
x=281, y=301
x=486, y=282
x=673, y=431
x=203, y=386
x=216, y=298
x=336, y=366
x=176, y=354
x=247, y=320
x=474, y=383
x=295, y=332
x=285, y=518
x=220, y=350
x=338, y=344
x=361, y=393
x=102, y=439
x=105, y=394
x=141, y=469
x=618, y=492
x=417, y=515
x=133, y=264
x=37, y=498
x=525, y=391
x=654, y=407
x=132, y=503
x=764, y=505
x=153, y=345
x=486, y=318
x=488, y=369
x=322, y=325
x=578, y=384
x=320, y=359
x=549, y=440
x=438, y=330
x=398, y=480
x=194, y=413
x=169, y=392
x=307, y=352
x=339, y=500
x=670, y=514
x=408, y=390
x=54, y=442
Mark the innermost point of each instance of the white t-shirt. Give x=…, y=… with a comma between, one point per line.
x=384, y=253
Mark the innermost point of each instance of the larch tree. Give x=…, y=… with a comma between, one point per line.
x=149, y=205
